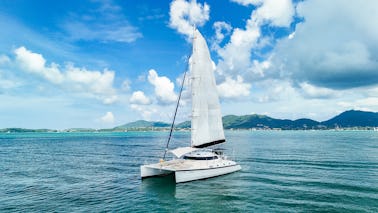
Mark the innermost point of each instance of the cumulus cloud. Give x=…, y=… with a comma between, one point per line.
x=164, y=88
x=274, y=90
x=337, y=50
x=277, y=13
x=231, y=88
x=236, y=54
x=139, y=98
x=88, y=80
x=222, y=29
x=248, y=2
x=259, y=68
x=35, y=63
x=186, y=14
x=236, y=57
x=108, y=118
x=312, y=91
x=71, y=78
x=145, y=112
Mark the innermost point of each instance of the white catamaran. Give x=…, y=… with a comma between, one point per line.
x=195, y=162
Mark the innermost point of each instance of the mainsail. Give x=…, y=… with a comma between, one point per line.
x=207, y=127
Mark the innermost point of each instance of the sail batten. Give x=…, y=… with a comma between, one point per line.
x=207, y=127
x=212, y=143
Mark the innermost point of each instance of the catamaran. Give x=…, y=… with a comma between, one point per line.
x=197, y=161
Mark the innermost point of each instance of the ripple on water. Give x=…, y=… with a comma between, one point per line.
x=286, y=171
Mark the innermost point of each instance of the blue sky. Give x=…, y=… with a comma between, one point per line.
x=103, y=63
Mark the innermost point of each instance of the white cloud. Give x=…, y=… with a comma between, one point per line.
x=30, y=61
x=35, y=63
x=144, y=111
x=260, y=68
x=220, y=26
x=274, y=90
x=222, y=29
x=139, y=98
x=248, y=2
x=236, y=56
x=312, y=91
x=365, y=104
x=231, y=88
x=96, y=83
x=336, y=50
x=369, y=102
x=277, y=13
x=164, y=88
x=108, y=118
x=291, y=36
x=85, y=80
x=110, y=99
x=186, y=14
x=372, y=91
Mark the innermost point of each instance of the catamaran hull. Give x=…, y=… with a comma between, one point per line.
x=146, y=171
x=191, y=175
x=187, y=175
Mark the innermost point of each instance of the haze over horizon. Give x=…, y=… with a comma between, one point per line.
x=103, y=63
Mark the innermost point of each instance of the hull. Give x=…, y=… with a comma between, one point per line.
x=191, y=175
x=146, y=171
x=190, y=170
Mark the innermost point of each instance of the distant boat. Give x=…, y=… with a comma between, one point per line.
x=195, y=162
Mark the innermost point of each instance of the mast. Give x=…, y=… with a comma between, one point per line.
x=174, y=116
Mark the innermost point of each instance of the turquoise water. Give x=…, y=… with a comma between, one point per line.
x=283, y=171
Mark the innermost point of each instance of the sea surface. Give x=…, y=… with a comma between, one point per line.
x=282, y=171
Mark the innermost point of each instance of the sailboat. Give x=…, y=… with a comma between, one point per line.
x=198, y=161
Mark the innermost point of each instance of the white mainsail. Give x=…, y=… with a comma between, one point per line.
x=207, y=127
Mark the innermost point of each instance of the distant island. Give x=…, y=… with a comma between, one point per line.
x=348, y=120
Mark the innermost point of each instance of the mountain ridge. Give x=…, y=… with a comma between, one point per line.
x=347, y=119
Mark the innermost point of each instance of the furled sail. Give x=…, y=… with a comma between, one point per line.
x=207, y=127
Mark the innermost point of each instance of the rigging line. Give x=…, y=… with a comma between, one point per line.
x=174, y=117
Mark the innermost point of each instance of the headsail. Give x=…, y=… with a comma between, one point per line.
x=207, y=127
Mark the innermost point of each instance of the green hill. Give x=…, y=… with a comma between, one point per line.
x=185, y=124
x=143, y=124
x=347, y=119
x=263, y=121
x=353, y=118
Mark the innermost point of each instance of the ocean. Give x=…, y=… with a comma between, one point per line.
x=282, y=171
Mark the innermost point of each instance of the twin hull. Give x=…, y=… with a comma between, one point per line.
x=185, y=170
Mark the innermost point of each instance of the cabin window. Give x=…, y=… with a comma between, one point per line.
x=200, y=158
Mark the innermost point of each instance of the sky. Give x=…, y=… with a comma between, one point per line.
x=103, y=63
